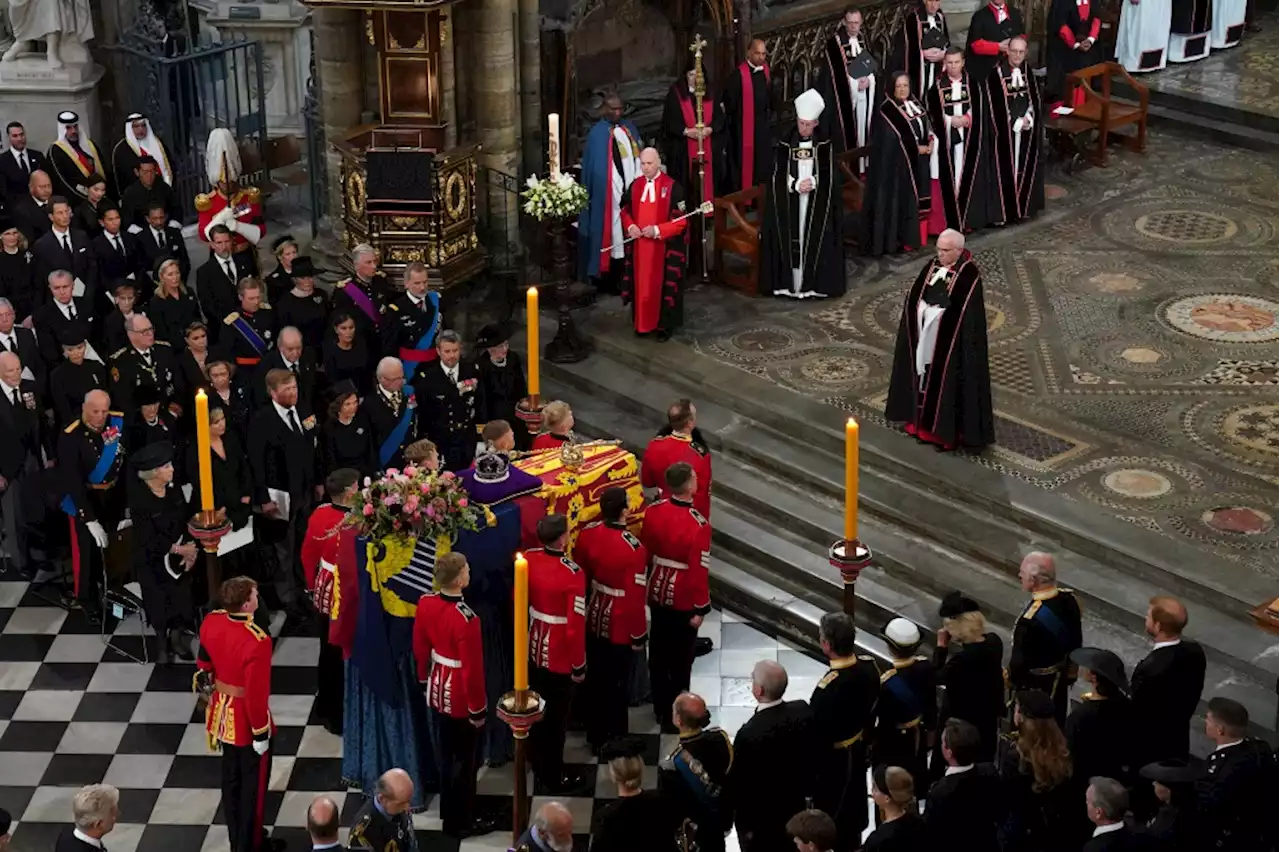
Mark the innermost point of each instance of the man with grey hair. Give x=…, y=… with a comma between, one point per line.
x=1046, y=633
x=19, y=454
x=94, y=809
x=651, y=282
x=63, y=312
x=551, y=830
x=290, y=353
x=1106, y=802
x=940, y=388
x=1016, y=104
x=385, y=821
x=451, y=411
x=21, y=342
x=364, y=295
x=772, y=771
x=413, y=320
x=390, y=409
x=144, y=363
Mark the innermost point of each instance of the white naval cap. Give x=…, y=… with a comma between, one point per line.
x=809, y=105
x=902, y=633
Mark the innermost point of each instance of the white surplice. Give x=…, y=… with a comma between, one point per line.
x=928, y=318
x=1227, y=14
x=1142, y=38
x=630, y=168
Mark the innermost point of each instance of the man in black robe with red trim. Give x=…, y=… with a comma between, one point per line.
x=1013, y=94
x=920, y=46
x=743, y=140
x=898, y=199
x=957, y=107
x=940, y=388
x=680, y=137
x=989, y=32
x=850, y=87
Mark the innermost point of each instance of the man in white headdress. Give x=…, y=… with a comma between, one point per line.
x=64, y=25
x=239, y=210
x=73, y=159
x=140, y=140
x=801, y=251
x=1142, y=39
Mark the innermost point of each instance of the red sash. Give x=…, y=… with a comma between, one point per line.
x=749, y=124
x=686, y=107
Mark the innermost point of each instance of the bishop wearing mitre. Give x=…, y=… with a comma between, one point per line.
x=652, y=214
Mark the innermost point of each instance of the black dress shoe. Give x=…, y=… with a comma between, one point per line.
x=480, y=825
x=703, y=646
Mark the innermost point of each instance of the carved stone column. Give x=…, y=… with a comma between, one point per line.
x=339, y=34
x=533, y=125
x=491, y=67
x=448, y=79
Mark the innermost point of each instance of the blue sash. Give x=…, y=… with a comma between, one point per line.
x=250, y=336
x=708, y=797
x=902, y=691
x=396, y=438
x=1050, y=621
x=105, y=462
x=427, y=340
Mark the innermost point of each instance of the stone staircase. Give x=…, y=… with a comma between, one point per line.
x=933, y=522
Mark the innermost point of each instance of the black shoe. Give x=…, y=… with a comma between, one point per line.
x=703, y=646
x=662, y=336
x=274, y=844
x=295, y=625
x=180, y=647
x=480, y=825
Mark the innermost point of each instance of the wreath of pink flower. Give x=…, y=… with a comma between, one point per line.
x=413, y=503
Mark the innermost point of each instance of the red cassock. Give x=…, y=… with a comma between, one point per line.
x=656, y=267
x=615, y=563
x=557, y=612
x=678, y=539
x=447, y=646
x=320, y=554
x=664, y=451
x=247, y=204
x=238, y=653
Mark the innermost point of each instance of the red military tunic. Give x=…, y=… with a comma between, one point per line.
x=450, y=655
x=664, y=451
x=320, y=554
x=649, y=256
x=615, y=563
x=557, y=612
x=247, y=204
x=678, y=539
x=238, y=654
x=549, y=441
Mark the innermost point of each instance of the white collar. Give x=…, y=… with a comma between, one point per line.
x=284, y=412
x=58, y=233
x=38, y=202
x=288, y=365
x=92, y=841
x=415, y=299
x=766, y=705
x=9, y=389
x=754, y=68
x=1229, y=745
x=956, y=770
x=1169, y=644
x=1108, y=828
x=450, y=371
x=65, y=307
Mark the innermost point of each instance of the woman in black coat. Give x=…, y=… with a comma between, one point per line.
x=232, y=491
x=347, y=437
x=346, y=356
x=895, y=207
x=231, y=397
x=194, y=359
x=173, y=310
x=1041, y=794
x=17, y=282
x=90, y=210
x=973, y=676
x=1177, y=825
x=900, y=828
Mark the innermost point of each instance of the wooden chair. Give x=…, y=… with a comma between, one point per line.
x=736, y=234
x=1105, y=112
x=852, y=187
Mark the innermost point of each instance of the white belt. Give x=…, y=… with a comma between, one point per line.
x=445, y=661
x=663, y=562
x=328, y=566
x=607, y=590
x=547, y=619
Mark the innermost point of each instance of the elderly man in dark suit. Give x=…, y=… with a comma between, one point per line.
x=95, y=809
x=289, y=354
x=64, y=312
x=19, y=453
x=550, y=830
x=21, y=342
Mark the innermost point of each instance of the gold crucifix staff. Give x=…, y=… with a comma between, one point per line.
x=700, y=92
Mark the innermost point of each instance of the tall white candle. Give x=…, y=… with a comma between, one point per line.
x=553, y=143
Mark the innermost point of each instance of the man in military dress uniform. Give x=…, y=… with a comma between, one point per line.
x=679, y=441
x=1238, y=798
x=1046, y=633
x=364, y=296
x=693, y=774
x=908, y=710
x=449, y=405
x=557, y=648
x=383, y=823
x=145, y=361
x=91, y=457
x=391, y=408
x=844, y=707
x=234, y=671
x=616, y=564
x=412, y=322
x=678, y=539
x=250, y=332
x=239, y=210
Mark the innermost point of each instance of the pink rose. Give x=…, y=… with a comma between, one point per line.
x=410, y=471
x=391, y=471
x=411, y=503
x=447, y=475
x=426, y=487
x=390, y=500
x=462, y=504
x=368, y=509
x=431, y=513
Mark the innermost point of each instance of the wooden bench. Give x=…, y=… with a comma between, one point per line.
x=1103, y=111
x=736, y=234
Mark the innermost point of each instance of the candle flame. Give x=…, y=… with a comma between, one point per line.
x=532, y=290
x=851, y=422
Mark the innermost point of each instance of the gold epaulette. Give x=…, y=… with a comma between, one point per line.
x=163, y=343
x=827, y=678
x=115, y=413
x=258, y=632
x=72, y=426
x=231, y=318
x=203, y=202
x=1032, y=609
x=344, y=282
x=255, y=195
x=393, y=306
x=118, y=352
x=888, y=674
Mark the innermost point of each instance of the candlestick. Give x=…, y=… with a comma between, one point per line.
x=531, y=335
x=553, y=144
x=202, y=451
x=522, y=623
x=851, y=480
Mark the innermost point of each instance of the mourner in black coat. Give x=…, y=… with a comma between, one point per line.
x=897, y=199
x=1177, y=825
x=118, y=255
x=51, y=252
x=17, y=162
x=1101, y=729
x=22, y=342
x=64, y=313
x=1166, y=685
x=967, y=804
x=990, y=30
x=216, y=281
x=74, y=377
x=30, y=212
x=959, y=113
x=972, y=678
x=159, y=241
x=502, y=379
x=17, y=277
x=920, y=45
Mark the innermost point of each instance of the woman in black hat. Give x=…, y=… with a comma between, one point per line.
x=346, y=356
x=972, y=676
x=17, y=280
x=502, y=379
x=638, y=820
x=1043, y=798
x=280, y=281
x=347, y=437
x=900, y=828
x=1100, y=731
x=303, y=306
x=231, y=396
x=1176, y=826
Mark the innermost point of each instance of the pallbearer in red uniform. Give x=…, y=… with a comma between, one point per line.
x=658, y=250
x=447, y=647
x=234, y=671
x=615, y=563
x=679, y=441
x=227, y=204
x=678, y=539
x=557, y=648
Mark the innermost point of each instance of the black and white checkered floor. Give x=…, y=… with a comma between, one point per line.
x=73, y=712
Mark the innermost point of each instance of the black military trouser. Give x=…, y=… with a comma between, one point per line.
x=841, y=791
x=671, y=641
x=245, y=775
x=458, y=451
x=1056, y=685
x=546, y=739
x=905, y=747
x=607, y=688
x=330, y=684
x=457, y=766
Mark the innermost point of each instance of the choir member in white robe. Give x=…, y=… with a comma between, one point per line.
x=851, y=85
x=1228, y=23
x=1190, y=28
x=1142, y=38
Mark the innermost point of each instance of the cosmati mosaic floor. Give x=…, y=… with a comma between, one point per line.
x=1242, y=77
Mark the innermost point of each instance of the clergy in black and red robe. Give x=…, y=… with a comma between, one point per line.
x=920, y=46
x=965, y=190
x=896, y=204
x=989, y=32
x=1190, y=30
x=850, y=87
x=801, y=250
x=680, y=137
x=1013, y=96
x=655, y=261
x=940, y=387
x=743, y=141
x=1073, y=44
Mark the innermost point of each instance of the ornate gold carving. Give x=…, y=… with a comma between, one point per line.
x=355, y=196
x=475, y=241
x=433, y=256
x=444, y=30
x=404, y=254
x=407, y=223
x=368, y=27
x=456, y=196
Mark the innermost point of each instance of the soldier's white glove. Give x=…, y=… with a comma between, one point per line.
x=99, y=534
x=135, y=229
x=260, y=746
x=223, y=216
x=232, y=224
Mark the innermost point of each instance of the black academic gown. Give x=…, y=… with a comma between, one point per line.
x=897, y=197
x=1191, y=17
x=968, y=199
x=984, y=33
x=822, y=261
x=1021, y=179
x=729, y=139
x=909, y=46
x=951, y=404
x=839, y=119
x=503, y=387
x=1063, y=58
